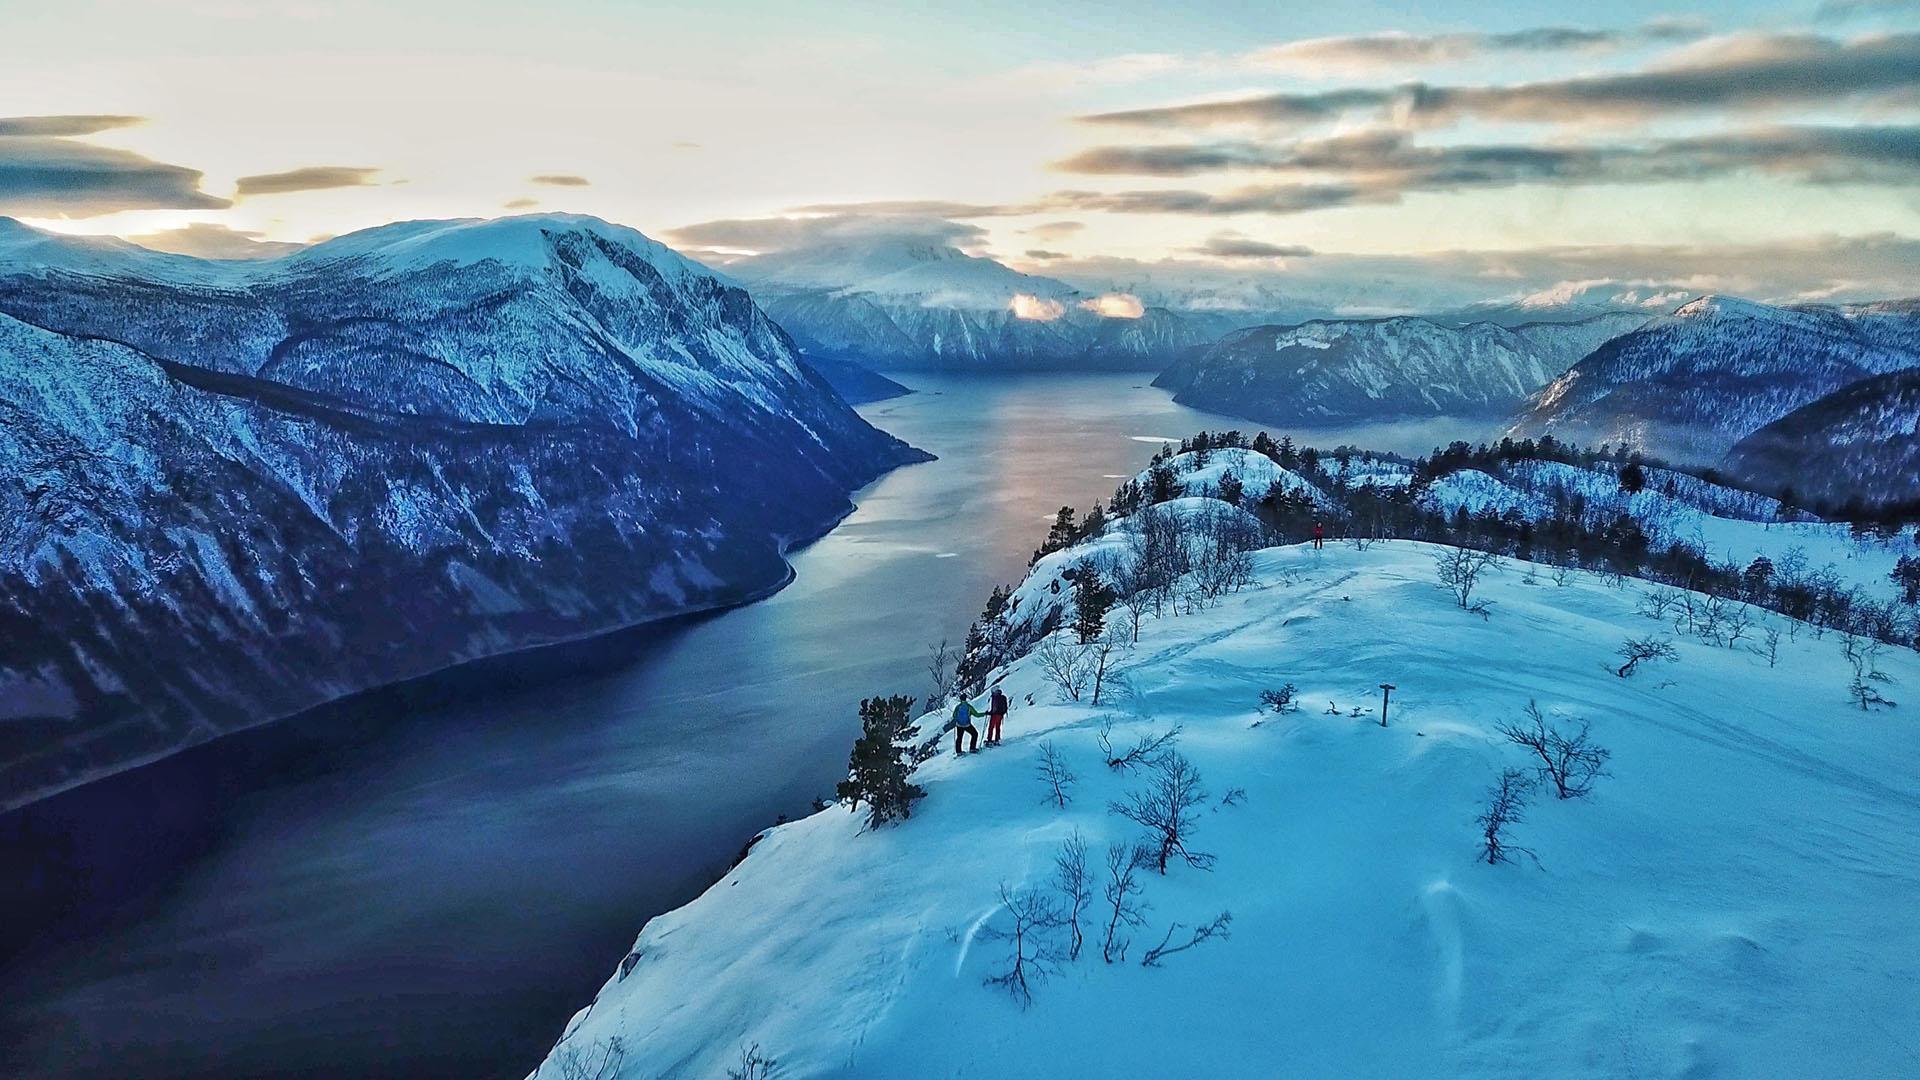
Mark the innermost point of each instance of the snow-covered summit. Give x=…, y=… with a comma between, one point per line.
x=523, y=242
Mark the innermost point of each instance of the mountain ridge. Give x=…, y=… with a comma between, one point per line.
x=232, y=499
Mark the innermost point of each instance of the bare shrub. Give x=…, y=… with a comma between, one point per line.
x=598, y=1060
x=1637, y=651
x=754, y=1065
x=1863, y=654
x=1122, y=889
x=1167, y=808
x=1506, y=806
x=1143, y=751
x=1071, y=880
x=1769, y=646
x=1572, y=762
x=1659, y=602
x=943, y=661
x=1200, y=936
x=1223, y=543
x=1283, y=700
x=1460, y=569
x=1069, y=667
x=1031, y=956
x=1055, y=774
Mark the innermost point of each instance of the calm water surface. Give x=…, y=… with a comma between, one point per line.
x=428, y=880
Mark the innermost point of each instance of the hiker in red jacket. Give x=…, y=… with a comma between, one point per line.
x=996, y=712
x=1318, y=535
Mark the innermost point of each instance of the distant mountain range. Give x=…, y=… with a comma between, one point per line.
x=896, y=305
x=1860, y=443
x=229, y=491
x=1334, y=370
x=1691, y=385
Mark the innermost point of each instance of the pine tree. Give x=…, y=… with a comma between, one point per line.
x=1231, y=488
x=1060, y=535
x=1092, y=599
x=1160, y=480
x=1633, y=479
x=1906, y=574
x=876, y=775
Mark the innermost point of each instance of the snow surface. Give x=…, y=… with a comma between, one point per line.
x=1736, y=900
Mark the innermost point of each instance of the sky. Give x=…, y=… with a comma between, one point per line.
x=1773, y=147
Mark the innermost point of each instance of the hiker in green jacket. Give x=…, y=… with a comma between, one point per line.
x=963, y=714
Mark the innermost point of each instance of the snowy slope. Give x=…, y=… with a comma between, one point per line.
x=230, y=497
x=1688, y=386
x=1725, y=524
x=1734, y=900
x=1331, y=370
x=1257, y=474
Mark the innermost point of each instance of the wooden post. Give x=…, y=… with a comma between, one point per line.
x=1386, y=691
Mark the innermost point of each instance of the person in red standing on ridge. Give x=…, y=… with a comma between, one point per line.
x=1319, y=535
x=996, y=711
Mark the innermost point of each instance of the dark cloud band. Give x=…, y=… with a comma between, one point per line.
x=309, y=178
x=52, y=177
x=1742, y=74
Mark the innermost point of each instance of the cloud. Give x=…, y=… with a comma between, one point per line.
x=1379, y=167
x=1366, y=52
x=1840, y=10
x=1048, y=231
x=1227, y=245
x=1740, y=72
x=1043, y=255
x=1035, y=308
x=1872, y=266
x=769, y=234
x=210, y=240
x=308, y=178
x=46, y=172
x=560, y=180
x=519, y=204
x=1115, y=305
x=56, y=127
x=917, y=208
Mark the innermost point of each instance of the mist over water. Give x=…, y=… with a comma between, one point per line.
x=428, y=880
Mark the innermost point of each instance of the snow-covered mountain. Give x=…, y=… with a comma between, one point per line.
x=1732, y=897
x=1861, y=442
x=892, y=304
x=231, y=491
x=1329, y=370
x=1690, y=385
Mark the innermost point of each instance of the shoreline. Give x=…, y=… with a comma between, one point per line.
x=784, y=547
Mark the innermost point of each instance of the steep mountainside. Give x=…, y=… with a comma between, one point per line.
x=1691, y=385
x=1859, y=442
x=899, y=306
x=1367, y=368
x=231, y=492
x=1731, y=895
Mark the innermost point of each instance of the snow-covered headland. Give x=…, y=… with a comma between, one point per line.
x=1733, y=898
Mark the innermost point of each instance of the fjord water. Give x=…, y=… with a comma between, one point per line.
x=428, y=880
